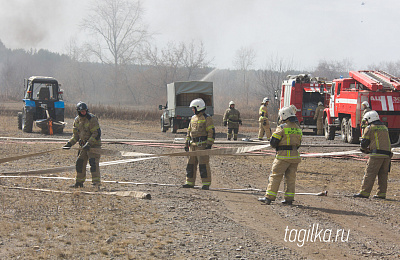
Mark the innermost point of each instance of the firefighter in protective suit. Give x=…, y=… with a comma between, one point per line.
x=366, y=108
x=263, y=120
x=200, y=136
x=286, y=140
x=376, y=142
x=319, y=117
x=86, y=132
x=232, y=120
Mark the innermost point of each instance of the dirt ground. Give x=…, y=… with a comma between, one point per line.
x=182, y=223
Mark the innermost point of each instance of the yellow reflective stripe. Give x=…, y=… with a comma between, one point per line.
x=287, y=157
x=86, y=125
x=271, y=193
x=94, y=128
x=92, y=138
x=376, y=140
x=364, y=193
x=188, y=138
x=190, y=183
x=288, y=194
x=277, y=136
x=206, y=183
x=210, y=139
x=210, y=127
x=80, y=179
x=96, y=179
x=201, y=121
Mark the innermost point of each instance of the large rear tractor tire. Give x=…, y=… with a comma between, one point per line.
x=344, y=129
x=27, y=121
x=329, y=131
x=19, y=116
x=353, y=134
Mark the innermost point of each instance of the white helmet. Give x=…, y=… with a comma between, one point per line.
x=266, y=99
x=365, y=103
x=294, y=108
x=371, y=116
x=320, y=103
x=231, y=103
x=286, y=112
x=198, y=103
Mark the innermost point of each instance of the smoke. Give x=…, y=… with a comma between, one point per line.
x=29, y=23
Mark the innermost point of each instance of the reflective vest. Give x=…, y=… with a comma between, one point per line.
x=263, y=113
x=289, y=135
x=86, y=129
x=201, y=129
x=379, y=141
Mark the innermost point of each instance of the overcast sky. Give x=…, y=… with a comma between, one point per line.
x=305, y=31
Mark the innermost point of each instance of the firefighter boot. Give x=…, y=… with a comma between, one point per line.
x=379, y=197
x=287, y=202
x=265, y=200
x=187, y=186
x=359, y=195
x=77, y=185
x=205, y=187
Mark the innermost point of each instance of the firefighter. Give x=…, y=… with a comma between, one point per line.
x=200, y=136
x=375, y=142
x=286, y=140
x=86, y=132
x=232, y=120
x=319, y=117
x=366, y=108
x=263, y=120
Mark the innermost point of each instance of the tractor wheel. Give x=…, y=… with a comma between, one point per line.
x=353, y=134
x=19, y=116
x=58, y=129
x=163, y=127
x=27, y=121
x=329, y=131
x=174, y=126
x=344, y=129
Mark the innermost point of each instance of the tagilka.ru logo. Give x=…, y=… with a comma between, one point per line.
x=315, y=234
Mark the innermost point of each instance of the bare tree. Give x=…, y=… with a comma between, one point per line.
x=333, y=69
x=243, y=61
x=118, y=33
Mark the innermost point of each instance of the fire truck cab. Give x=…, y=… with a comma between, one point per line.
x=380, y=89
x=304, y=92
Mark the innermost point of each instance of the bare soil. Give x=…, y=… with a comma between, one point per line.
x=182, y=223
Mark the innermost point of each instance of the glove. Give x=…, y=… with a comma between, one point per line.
x=86, y=147
x=208, y=146
x=240, y=122
x=186, y=146
x=225, y=123
x=67, y=146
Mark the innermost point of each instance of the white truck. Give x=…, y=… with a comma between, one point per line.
x=177, y=113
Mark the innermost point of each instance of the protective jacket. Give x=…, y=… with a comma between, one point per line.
x=376, y=141
x=287, y=139
x=263, y=113
x=319, y=113
x=201, y=130
x=232, y=117
x=86, y=129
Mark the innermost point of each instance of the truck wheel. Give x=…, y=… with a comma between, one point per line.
x=394, y=137
x=344, y=129
x=19, y=116
x=353, y=134
x=329, y=131
x=174, y=126
x=27, y=121
x=163, y=127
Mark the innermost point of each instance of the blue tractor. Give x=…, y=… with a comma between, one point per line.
x=43, y=105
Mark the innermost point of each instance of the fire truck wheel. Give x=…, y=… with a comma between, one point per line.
x=329, y=131
x=353, y=134
x=344, y=129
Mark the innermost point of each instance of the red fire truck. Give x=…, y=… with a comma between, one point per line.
x=305, y=92
x=380, y=89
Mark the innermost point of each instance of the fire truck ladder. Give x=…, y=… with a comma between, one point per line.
x=389, y=82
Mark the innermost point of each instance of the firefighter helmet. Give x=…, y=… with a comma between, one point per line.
x=371, y=116
x=198, y=103
x=231, y=103
x=286, y=112
x=365, y=103
x=266, y=99
x=81, y=106
x=294, y=108
x=320, y=103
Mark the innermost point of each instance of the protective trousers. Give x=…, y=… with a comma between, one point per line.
x=94, y=162
x=264, y=128
x=204, y=167
x=282, y=168
x=320, y=126
x=376, y=166
x=235, y=133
